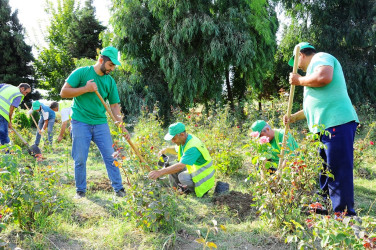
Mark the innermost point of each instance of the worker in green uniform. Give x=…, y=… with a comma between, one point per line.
x=275, y=137
x=194, y=170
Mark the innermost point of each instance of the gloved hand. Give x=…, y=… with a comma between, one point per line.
x=41, y=131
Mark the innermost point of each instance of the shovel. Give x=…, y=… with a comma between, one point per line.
x=36, y=124
x=291, y=98
x=128, y=140
x=33, y=150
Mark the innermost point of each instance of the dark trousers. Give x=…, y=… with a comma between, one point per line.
x=339, y=159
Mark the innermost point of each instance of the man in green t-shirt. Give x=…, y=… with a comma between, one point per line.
x=275, y=137
x=326, y=102
x=194, y=171
x=89, y=120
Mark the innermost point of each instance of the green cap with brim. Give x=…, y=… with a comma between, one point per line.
x=258, y=125
x=302, y=45
x=112, y=53
x=173, y=130
x=36, y=105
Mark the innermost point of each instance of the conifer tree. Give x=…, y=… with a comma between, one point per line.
x=15, y=54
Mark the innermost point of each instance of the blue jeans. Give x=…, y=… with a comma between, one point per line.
x=339, y=159
x=82, y=135
x=4, y=138
x=50, y=127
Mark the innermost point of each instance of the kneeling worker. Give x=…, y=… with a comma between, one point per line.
x=195, y=170
x=275, y=138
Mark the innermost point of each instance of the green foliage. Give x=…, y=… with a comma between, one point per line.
x=183, y=51
x=25, y=133
x=15, y=54
x=21, y=119
x=53, y=66
x=26, y=193
x=73, y=33
x=280, y=196
x=83, y=33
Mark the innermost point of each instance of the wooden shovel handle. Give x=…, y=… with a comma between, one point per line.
x=289, y=107
x=36, y=124
x=118, y=124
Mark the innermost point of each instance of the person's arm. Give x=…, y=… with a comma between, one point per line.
x=115, y=108
x=62, y=130
x=176, y=168
x=170, y=150
x=294, y=117
x=10, y=116
x=321, y=77
x=67, y=91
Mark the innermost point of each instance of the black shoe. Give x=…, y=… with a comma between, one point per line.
x=121, y=193
x=79, y=195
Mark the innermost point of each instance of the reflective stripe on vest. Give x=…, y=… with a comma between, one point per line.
x=202, y=175
x=7, y=94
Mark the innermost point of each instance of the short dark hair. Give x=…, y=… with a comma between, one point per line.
x=54, y=105
x=308, y=51
x=24, y=85
x=105, y=58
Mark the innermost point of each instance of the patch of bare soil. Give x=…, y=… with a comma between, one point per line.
x=237, y=202
x=101, y=184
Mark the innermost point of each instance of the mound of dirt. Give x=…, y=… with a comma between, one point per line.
x=236, y=202
x=102, y=184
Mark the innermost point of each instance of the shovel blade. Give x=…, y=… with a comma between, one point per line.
x=34, y=150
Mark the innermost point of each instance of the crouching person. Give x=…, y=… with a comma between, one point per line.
x=194, y=170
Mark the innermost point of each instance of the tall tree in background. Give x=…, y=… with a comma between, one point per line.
x=343, y=29
x=73, y=33
x=143, y=82
x=83, y=33
x=15, y=54
x=195, y=48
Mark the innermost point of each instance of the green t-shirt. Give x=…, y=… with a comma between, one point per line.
x=276, y=143
x=88, y=108
x=192, y=155
x=329, y=105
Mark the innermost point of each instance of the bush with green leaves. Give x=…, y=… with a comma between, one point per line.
x=21, y=119
x=28, y=194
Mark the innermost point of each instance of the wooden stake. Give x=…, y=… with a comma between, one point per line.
x=291, y=98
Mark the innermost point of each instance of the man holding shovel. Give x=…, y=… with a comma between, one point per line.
x=326, y=102
x=89, y=120
x=46, y=121
x=195, y=170
x=10, y=98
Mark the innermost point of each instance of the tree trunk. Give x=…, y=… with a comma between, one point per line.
x=259, y=106
x=229, y=90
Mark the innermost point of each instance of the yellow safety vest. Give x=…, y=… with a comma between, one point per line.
x=203, y=175
x=7, y=94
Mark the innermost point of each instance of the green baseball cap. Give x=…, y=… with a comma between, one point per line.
x=112, y=53
x=36, y=105
x=302, y=45
x=258, y=125
x=173, y=130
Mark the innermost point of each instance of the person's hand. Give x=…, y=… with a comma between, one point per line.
x=287, y=120
x=59, y=138
x=155, y=174
x=91, y=86
x=41, y=131
x=125, y=132
x=294, y=79
x=162, y=152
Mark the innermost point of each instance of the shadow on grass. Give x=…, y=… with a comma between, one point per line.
x=365, y=200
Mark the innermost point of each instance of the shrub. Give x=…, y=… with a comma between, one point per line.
x=20, y=118
x=26, y=194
